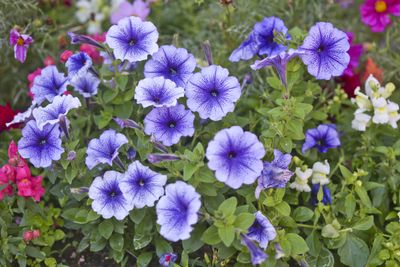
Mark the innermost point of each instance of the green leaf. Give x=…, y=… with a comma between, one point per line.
x=144, y=259
x=50, y=262
x=210, y=236
x=364, y=223
x=109, y=95
x=286, y=144
x=329, y=231
x=34, y=253
x=228, y=207
x=184, y=259
x=106, y=228
x=350, y=205
x=298, y=245
x=302, y=214
x=354, y=252
x=162, y=246
x=283, y=208
x=227, y=234
x=194, y=243
x=137, y=215
x=324, y=259
x=244, y=221
x=141, y=240
x=363, y=195
x=117, y=242
x=121, y=81
x=314, y=243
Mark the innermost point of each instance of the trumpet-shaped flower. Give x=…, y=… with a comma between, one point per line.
x=78, y=64
x=301, y=181
x=324, y=137
x=262, y=231
x=394, y=116
x=320, y=173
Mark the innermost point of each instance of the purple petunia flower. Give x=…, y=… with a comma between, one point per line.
x=142, y=186
x=86, y=85
x=177, y=211
x=326, y=51
x=158, y=92
x=326, y=199
x=78, y=64
x=167, y=258
x=279, y=62
x=156, y=158
x=23, y=117
x=171, y=63
x=41, y=147
x=256, y=254
x=127, y=123
x=261, y=40
x=235, y=156
x=21, y=44
x=168, y=125
x=324, y=137
x=132, y=39
x=262, y=231
x=53, y=112
x=108, y=199
x=212, y=92
x=84, y=39
x=275, y=174
x=49, y=84
x=105, y=149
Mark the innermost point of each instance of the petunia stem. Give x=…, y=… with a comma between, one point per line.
x=308, y=226
x=119, y=163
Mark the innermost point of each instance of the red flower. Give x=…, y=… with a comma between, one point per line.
x=372, y=68
x=6, y=115
x=92, y=52
x=350, y=83
x=65, y=55
x=28, y=236
x=49, y=61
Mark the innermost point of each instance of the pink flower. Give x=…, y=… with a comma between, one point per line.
x=8, y=190
x=35, y=233
x=37, y=188
x=21, y=44
x=22, y=173
x=24, y=188
x=355, y=53
x=139, y=8
x=376, y=13
x=9, y=172
x=49, y=60
x=92, y=52
x=13, y=151
x=65, y=55
x=28, y=236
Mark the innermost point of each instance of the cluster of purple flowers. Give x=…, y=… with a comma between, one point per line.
x=324, y=50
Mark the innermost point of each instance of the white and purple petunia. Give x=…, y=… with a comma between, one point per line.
x=235, y=156
x=212, y=92
x=86, y=85
x=276, y=173
x=105, y=148
x=177, y=211
x=168, y=125
x=257, y=255
x=108, y=199
x=41, y=147
x=53, y=112
x=326, y=51
x=49, y=84
x=262, y=231
x=23, y=116
x=132, y=39
x=158, y=92
x=78, y=64
x=142, y=186
x=171, y=63
x=324, y=137
x=261, y=40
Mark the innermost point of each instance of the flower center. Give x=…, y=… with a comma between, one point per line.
x=172, y=71
x=113, y=194
x=171, y=124
x=231, y=154
x=42, y=142
x=380, y=6
x=141, y=182
x=132, y=42
x=321, y=48
x=20, y=41
x=214, y=92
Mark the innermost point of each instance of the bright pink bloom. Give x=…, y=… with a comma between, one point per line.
x=355, y=53
x=9, y=172
x=92, y=52
x=65, y=55
x=99, y=37
x=28, y=236
x=49, y=60
x=35, y=233
x=21, y=44
x=22, y=172
x=13, y=151
x=4, y=181
x=24, y=188
x=376, y=13
x=37, y=188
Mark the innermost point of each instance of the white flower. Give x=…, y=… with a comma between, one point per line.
x=320, y=173
x=360, y=120
x=393, y=113
x=381, y=114
x=386, y=91
x=361, y=100
x=301, y=180
x=90, y=10
x=372, y=86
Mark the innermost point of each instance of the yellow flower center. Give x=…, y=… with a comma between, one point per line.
x=380, y=6
x=20, y=41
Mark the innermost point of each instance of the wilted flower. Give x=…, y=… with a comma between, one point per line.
x=41, y=147
x=257, y=255
x=168, y=125
x=324, y=137
x=108, y=199
x=276, y=173
x=171, y=63
x=262, y=231
x=21, y=44
x=132, y=39
x=78, y=64
x=235, y=156
x=52, y=113
x=376, y=13
x=142, y=186
x=325, y=51
x=155, y=158
x=212, y=92
x=320, y=173
x=158, y=92
x=105, y=149
x=127, y=123
x=49, y=84
x=301, y=180
x=177, y=211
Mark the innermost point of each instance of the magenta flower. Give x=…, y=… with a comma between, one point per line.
x=355, y=53
x=376, y=13
x=21, y=44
